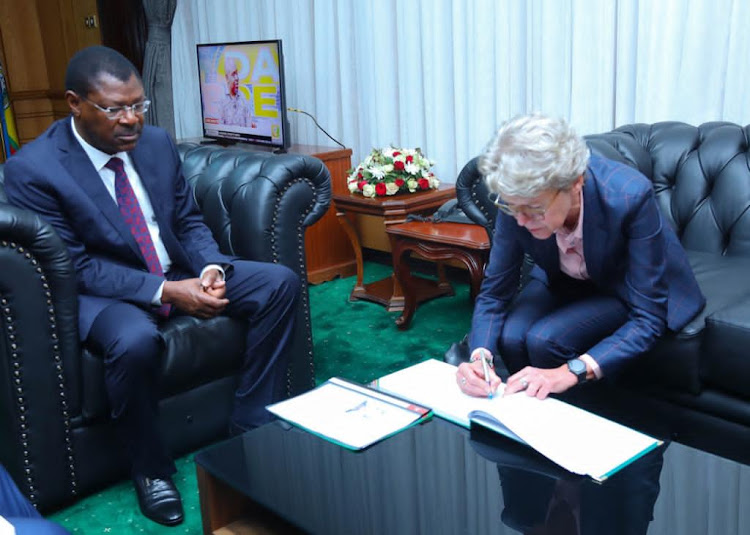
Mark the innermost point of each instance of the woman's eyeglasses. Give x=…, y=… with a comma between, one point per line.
x=531, y=212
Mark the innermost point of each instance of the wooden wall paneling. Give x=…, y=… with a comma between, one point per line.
x=22, y=42
x=25, y=67
x=58, y=40
x=85, y=23
x=70, y=18
x=38, y=38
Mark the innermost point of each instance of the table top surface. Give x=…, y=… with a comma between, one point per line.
x=461, y=234
x=439, y=478
x=400, y=204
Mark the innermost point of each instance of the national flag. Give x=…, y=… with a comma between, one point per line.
x=8, y=131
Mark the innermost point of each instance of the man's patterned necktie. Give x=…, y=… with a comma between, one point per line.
x=130, y=209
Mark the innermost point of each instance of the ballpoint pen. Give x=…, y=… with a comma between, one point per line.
x=487, y=375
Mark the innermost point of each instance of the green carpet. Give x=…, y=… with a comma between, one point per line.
x=357, y=341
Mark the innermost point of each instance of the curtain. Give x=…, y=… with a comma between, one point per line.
x=157, y=63
x=443, y=74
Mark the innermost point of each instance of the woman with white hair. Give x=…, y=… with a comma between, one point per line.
x=609, y=278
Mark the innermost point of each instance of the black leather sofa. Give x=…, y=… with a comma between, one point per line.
x=56, y=439
x=693, y=386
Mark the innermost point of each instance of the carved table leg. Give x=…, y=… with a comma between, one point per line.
x=357, y=246
x=402, y=275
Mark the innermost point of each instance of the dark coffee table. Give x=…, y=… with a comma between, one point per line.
x=439, y=478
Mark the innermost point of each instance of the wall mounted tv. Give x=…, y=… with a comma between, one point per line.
x=242, y=93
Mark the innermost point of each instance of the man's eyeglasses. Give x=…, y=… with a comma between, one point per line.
x=116, y=112
x=532, y=212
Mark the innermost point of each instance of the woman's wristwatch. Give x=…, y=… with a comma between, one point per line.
x=578, y=368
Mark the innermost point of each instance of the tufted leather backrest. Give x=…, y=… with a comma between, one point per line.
x=226, y=181
x=701, y=177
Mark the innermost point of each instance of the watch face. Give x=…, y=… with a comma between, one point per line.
x=578, y=367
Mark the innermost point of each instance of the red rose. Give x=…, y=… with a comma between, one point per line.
x=359, y=176
x=423, y=183
x=380, y=188
x=396, y=153
x=398, y=166
x=399, y=182
x=409, y=159
x=361, y=184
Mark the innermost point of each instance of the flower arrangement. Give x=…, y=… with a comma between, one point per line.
x=388, y=171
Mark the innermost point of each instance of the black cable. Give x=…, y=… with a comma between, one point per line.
x=316, y=124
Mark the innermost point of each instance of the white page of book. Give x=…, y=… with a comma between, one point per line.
x=344, y=414
x=433, y=384
x=577, y=440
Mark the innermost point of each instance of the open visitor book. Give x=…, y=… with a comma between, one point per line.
x=577, y=440
x=348, y=414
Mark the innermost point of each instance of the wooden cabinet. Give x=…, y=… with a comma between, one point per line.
x=37, y=39
x=329, y=251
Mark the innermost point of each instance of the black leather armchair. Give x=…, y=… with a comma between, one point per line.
x=695, y=385
x=56, y=438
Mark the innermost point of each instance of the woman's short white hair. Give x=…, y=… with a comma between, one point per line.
x=533, y=153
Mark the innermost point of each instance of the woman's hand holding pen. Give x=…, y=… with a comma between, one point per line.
x=472, y=380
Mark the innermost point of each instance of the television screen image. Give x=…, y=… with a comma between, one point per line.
x=242, y=92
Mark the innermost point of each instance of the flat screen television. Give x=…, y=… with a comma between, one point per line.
x=242, y=93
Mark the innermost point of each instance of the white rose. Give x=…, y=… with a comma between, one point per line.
x=434, y=182
x=368, y=190
x=353, y=186
x=387, y=168
x=391, y=188
x=412, y=185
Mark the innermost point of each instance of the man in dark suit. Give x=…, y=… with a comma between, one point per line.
x=114, y=191
x=17, y=513
x=609, y=275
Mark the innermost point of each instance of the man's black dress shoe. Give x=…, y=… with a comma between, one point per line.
x=159, y=500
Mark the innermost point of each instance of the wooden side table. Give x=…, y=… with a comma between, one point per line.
x=438, y=242
x=394, y=210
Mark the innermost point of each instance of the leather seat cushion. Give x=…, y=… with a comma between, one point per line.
x=727, y=339
x=197, y=352
x=681, y=361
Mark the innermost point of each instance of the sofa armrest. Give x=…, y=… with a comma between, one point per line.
x=39, y=353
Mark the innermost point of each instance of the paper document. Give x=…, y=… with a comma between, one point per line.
x=577, y=440
x=348, y=414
